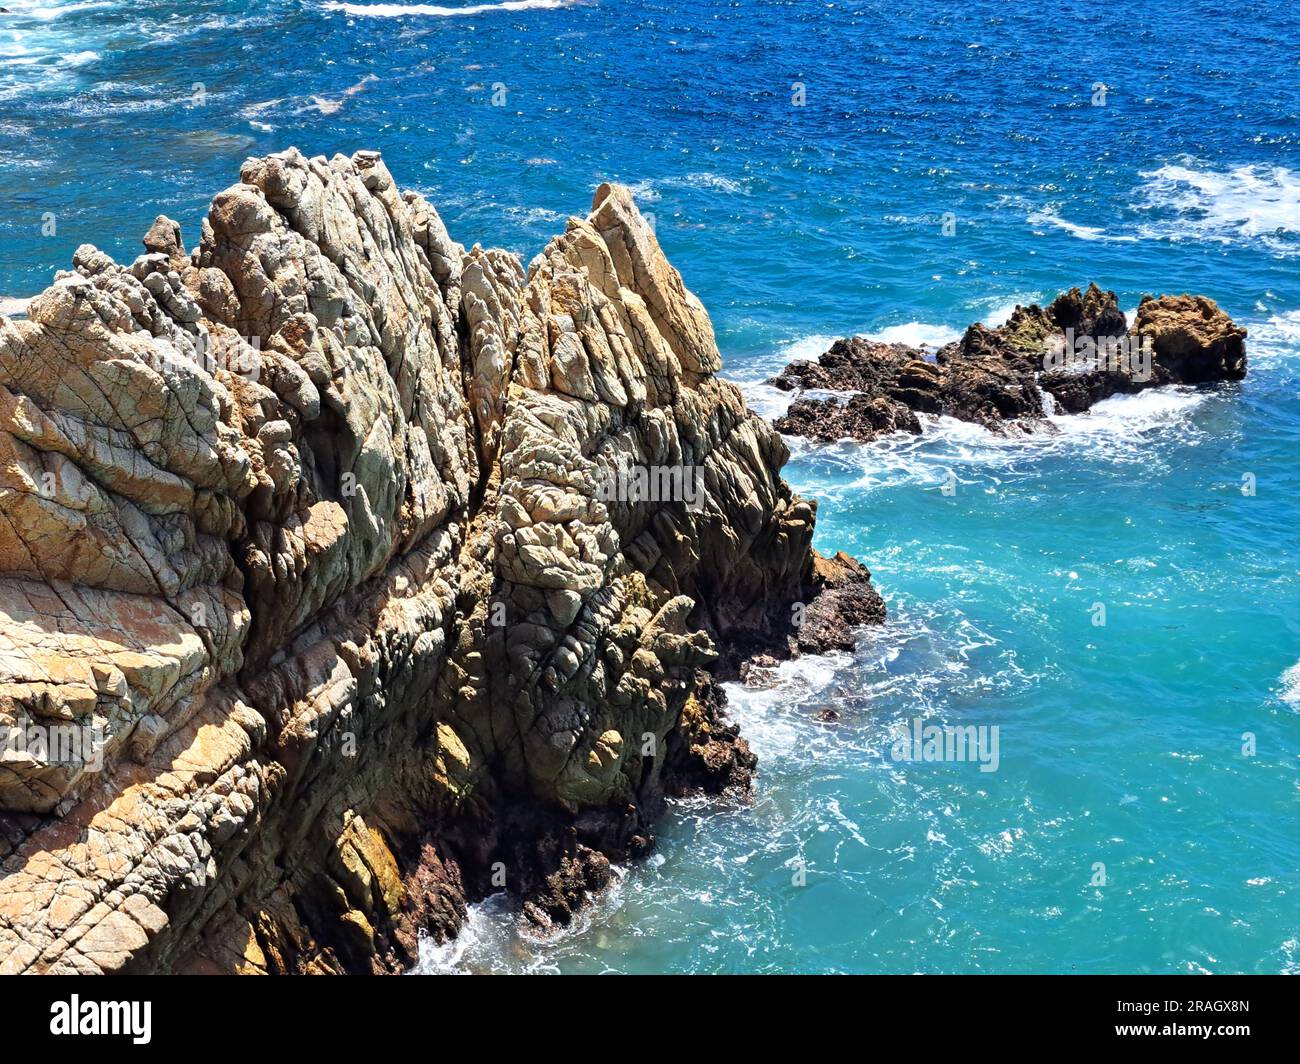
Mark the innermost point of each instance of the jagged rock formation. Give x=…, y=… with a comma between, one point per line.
x=1076, y=352
x=312, y=529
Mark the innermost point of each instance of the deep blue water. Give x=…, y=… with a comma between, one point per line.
x=1119, y=744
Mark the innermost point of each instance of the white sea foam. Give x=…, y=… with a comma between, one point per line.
x=99, y=102
x=1244, y=204
x=1273, y=339
x=490, y=940
x=997, y=310
x=1129, y=416
x=42, y=59
x=1289, y=686
x=1283, y=329
x=1048, y=216
x=534, y=215
x=444, y=958
x=1001, y=313
x=440, y=11
x=782, y=716
x=47, y=13
x=804, y=675
x=912, y=333
x=1120, y=427
x=644, y=191
x=486, y=932
x=764, y=399
x=806, y=347
x=916, y=334
x=714, y=182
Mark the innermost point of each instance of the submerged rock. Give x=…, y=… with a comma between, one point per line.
x=321, y=537
x=1067, y=356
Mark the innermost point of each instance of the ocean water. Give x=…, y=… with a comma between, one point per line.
x=1151, y=147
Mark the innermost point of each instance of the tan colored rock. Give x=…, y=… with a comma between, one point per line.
x=310, y=529
x=1194, y=340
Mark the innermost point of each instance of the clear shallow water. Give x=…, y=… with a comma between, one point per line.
x=1119, y=744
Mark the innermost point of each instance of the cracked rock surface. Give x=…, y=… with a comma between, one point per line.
x=307, y=529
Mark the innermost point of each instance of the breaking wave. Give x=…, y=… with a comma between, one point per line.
x=441, y=10
x=1244, y=204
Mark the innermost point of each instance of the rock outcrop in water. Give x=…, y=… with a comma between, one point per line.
x=364, y=576
x=1076, y=352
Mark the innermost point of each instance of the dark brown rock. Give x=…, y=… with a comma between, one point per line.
x=1079, y=350
x=845, y=602
x=861, y=417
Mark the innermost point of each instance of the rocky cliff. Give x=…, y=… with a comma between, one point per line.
x=347, y=576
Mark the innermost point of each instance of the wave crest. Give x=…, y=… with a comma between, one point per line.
x=1243, y=204
x=441, y=10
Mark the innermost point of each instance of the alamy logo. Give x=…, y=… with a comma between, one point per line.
x=655, y=483
x=56, y=744
x=1116, y=354
x=77, y=1017
x=947, y=742
x=241, y=355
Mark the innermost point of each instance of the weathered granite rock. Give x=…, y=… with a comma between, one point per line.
x=382, y=574
x=1067, y=356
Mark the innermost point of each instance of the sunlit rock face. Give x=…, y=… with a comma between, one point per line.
x=357, y=575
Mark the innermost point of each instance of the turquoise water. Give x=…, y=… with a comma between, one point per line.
x=1120, y=744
